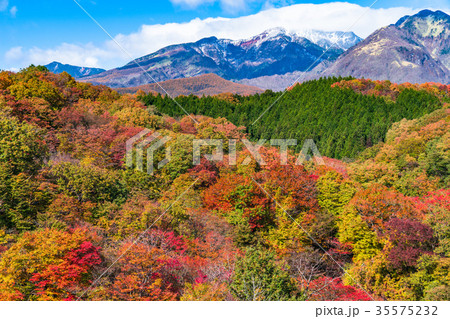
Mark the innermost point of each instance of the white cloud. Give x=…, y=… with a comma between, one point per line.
x=327, y=17
x=13, y=11
x=4, y=5
x=86, y=55
x=227, y=5
x=14, y=53
x=231, y=6
x=191, y=3
x=149, y=38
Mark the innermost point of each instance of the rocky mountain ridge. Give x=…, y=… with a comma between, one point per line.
x=274, y=51
x=77, y=72
x=416, y=49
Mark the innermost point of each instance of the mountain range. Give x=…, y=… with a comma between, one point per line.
x=75, y=71
x=415, y=49
x=272, y=52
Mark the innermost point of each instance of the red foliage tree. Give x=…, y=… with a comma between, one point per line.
x=139, y=275
x=410, y=240
x=332, y=289
x=237, y=197
x=207, y=172
x=71, y=276
x=378, y=204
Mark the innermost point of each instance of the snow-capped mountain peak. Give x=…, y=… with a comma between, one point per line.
x=326, y=39
x=268, y=35
x=337, y=39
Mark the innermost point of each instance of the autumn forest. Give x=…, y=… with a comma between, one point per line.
x=370, y=222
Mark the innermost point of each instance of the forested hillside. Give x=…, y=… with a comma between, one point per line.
x=342, y=121
x=77, y=224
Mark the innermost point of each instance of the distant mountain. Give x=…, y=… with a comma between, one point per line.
x=276, y=83
x=279, y=82
x=415, y=49
x=431, y=30
x=324, y=39
x=208, y=84
x=75, y=71
x=272, y=52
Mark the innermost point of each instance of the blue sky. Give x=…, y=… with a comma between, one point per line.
x=36, y=31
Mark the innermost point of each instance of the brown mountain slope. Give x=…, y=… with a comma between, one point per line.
x=389, y=55
x=414, y=50
x=208, y=84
